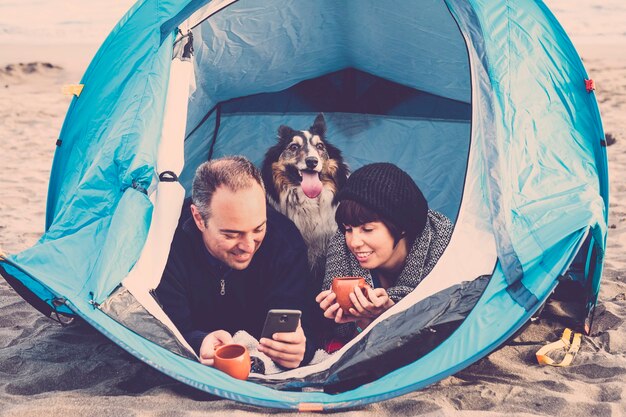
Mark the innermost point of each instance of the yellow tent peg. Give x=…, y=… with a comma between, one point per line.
x=73, y=89
x=569, y=343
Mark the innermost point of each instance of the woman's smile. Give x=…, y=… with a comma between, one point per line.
x=362, y=257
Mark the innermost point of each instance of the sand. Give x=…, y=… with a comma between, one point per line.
x=49, y=370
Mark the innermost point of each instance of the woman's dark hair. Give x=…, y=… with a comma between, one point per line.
x=351, y=213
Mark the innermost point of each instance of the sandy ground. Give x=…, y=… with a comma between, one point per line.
x=49, y=370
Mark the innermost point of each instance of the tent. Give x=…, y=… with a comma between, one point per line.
x=485, y=103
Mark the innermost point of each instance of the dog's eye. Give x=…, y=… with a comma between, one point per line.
x=294, y=147
x=320, y=146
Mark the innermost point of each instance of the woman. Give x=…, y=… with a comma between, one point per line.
x=387, y=235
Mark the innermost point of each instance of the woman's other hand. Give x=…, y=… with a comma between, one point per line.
x=327, y=301
x=370, y=304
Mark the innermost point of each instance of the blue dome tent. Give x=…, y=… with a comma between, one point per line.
x=483, y=102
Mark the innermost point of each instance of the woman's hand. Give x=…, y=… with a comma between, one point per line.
x=327, y=301
x=371, y=306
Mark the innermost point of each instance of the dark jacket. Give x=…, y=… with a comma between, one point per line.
x=278, y=277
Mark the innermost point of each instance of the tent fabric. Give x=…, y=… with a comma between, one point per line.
x=523, y=140
x=489, y=114
x=337, y=35
x=395, y=342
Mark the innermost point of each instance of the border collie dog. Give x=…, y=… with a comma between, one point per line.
x=302, y=174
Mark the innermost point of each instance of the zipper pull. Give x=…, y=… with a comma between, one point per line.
x=222, y=287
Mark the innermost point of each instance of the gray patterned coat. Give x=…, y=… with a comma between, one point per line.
x=422, y=257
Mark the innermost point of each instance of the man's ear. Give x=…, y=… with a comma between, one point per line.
x=197, y=217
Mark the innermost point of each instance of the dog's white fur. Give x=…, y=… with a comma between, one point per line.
x=315, y=218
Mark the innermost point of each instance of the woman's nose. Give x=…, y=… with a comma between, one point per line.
x=355, y=239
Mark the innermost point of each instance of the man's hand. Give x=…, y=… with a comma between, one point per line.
x=286, y=349
x=210, y=342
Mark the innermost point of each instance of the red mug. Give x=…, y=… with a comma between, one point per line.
x=343, y=286
x=234, y=360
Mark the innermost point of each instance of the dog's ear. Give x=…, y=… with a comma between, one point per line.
x=286, y=133
x=319, y=126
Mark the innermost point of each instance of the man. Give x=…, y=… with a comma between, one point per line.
x=232, y=261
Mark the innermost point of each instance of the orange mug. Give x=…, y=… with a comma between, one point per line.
x=234, y=360
x=343, y=286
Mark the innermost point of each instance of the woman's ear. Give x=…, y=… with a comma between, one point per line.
x=399, y=238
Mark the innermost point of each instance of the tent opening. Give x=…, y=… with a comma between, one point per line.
x=402, y=96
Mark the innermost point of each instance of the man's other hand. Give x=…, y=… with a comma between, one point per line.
x=210, y=342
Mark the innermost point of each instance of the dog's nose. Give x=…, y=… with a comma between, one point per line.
x=311, y=162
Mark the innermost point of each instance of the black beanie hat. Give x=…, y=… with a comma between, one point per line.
x=389, y=191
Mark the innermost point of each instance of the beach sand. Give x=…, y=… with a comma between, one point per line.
x=49, y=370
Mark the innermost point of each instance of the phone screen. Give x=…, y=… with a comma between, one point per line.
x=280, y=321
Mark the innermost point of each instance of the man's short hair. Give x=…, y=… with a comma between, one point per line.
x=233, y=172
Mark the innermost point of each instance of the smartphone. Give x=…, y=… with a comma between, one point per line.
x=280, y=321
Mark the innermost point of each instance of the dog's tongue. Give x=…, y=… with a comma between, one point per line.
x=311, y=184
